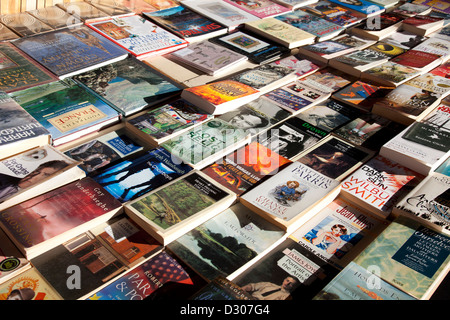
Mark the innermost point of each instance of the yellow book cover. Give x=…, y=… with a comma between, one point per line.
x=222, y=91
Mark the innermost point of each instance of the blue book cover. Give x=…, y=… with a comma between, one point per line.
x=65, y=109
x=363, y=6
x=132, y=178
x=71, y=50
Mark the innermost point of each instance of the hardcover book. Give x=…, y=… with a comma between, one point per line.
x=70, y=51
x=132, y=178
x=379, y=184
x=138, y=36
x=55, y=17
x=261, y=9
x=54, y=217
x=244, y=168
x=18, y=72
x=174, y=209
x=208, y=142
x=339, y=232
x=65, y=109
x=226, y=243
x=335, y=13
x=129, y=85
x=397, y=251
x=292, y=196
x=186, y=23
x=24, y=24
x=19, y=131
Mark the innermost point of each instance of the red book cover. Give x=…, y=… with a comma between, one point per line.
x=421, y=20
x=415, y=58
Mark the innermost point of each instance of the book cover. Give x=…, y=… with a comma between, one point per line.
x=326, y=48
x=261, y=8
x=129, y=85
x=55, y=17
x=361, y=94
x=436, y=46
x=339, y=232
x=138, y=36
x=69, y=51
x=379, y=184
x=226, y=242
x=246, y=167
x=438, y=5
x=65, y=109
x=417, y=59
x=7, y=34
x=186, y=23
x=404, y=39
x=356, y=283
x=145, y=279
x=287, y=272
x=390, y=73
x=330, y=78
x=84, y=11
x=18, y=72
x=220, y=288
x=421, y=20
x=12, y=261
x=206, y=142
x=382, y=22
x=46, y=220
x=412, y=9
x=112, y=8
x=335, y=13
x=363, y=6
x=24, y=24
x=409, y=256
x=134, y=177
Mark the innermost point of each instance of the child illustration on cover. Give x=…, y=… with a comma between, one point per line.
x=288, y=192
x=330, y=240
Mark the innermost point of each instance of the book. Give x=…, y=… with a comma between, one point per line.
x=280, y=32
x=220, y=288
x=100, y=255
x=70, y=51
x=417, y=59
x=443, y=33
x=18, y=71
x=389, y=74
x=330, y=78
x=222, y=12
x=365, y=7
x=12, y=261
x=427, y=203
x=186, y=23
x=295, y=4
x=339, y=232
x=65, y=109
x=227, y=243
x=292, y=196
x=83, y=10
x=129, y=85
x=29, y=285
x=7, y=34
x=321, y=28
x=208, y=57
x=435, y=46
x=34, y=172
x=138, y=36
x=174, y=209
x=104, y=150
x=147, y=278
x=136, y=6
x=396, y=253
x=220, y=96
x=378, y=27
x=136, y=176
x=24, y=24
x=414, y=99
x=261, y=9
x=379, y=184
x=163, y=123
x=411, y=9
x=444, y=167
x=437, y=5
x=257, y=49
x=334, y=158
x=45, y=221
x=404, y=39
x=422, y=25
x=55, y=17
x=357, y=283
x=246, y=167
x=287, y=272
x=387, y=4
x=335, y=13
x=112, y=8
x=206, y=143
x=19, y=131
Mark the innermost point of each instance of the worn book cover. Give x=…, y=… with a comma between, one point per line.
x=70, y=51
x=18, y=72
x=244, y=168
x=131, y=178
x=261, y=9
x=24, y=24
x=226, y=242
x=66, y=109
x=138, y=36
x=129, y=85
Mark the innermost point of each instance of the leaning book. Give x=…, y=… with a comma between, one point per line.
x=180, y=206
x=46, y=221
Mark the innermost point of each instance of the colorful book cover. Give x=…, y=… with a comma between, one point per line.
x=382, y=22
x=12, y=261
x=436, y=46
x=438, y=5
x=416, y=59
x=335, y=13
x=361, y=94
x=421, y=20
x=185, y=22
x=330, y=78
x=65, y=108
x=129, y=85
x=245, y=167
x=408, y=255
x=363, y=6
x=392, y=72
x=261, y=8
x=18, y=72
x=410, y=9
x=70, y=51
x=145, y=279
x=326, y=47
x=134, y=177
x=138, y=36
x=226, y=242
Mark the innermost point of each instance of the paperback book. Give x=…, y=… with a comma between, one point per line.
x=423, y=24
x=417, y=59
x=138, y=36
x=295, y=4
x=435, y=46
x=411, y=9
x=220, y=288
x=261, y=9
x=176, y=208
x=12, y=261
x=404, y=39
x=335, y=13
x=365, y=7
x=378, y=27
x=390, y=74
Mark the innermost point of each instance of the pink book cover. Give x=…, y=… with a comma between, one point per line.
x=259, y=8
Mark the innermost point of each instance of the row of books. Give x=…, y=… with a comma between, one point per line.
x=293, y=183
